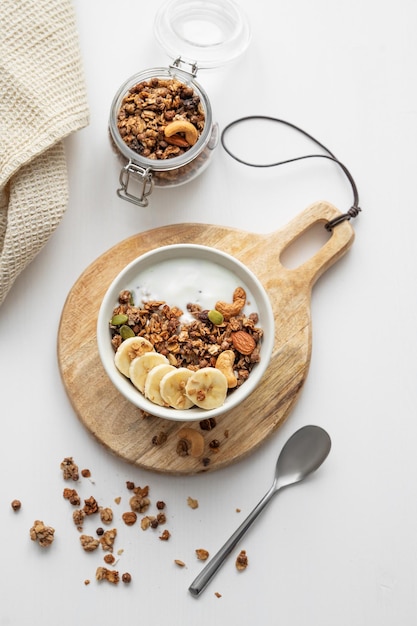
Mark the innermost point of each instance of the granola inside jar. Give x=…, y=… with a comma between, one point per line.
x=143, y=112
x=161, y=124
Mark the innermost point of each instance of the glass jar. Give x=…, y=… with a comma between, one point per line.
x=210, y=33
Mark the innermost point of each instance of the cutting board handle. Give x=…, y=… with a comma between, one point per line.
x=340, y=240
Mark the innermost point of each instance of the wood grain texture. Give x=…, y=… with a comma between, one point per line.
x=120, y=426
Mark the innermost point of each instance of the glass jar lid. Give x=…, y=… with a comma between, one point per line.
x=208, y=33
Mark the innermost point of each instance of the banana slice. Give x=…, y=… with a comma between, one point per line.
x=153, y=381
x=141, y=366
x=207, y=388
x=128, y=350
x=172, y=388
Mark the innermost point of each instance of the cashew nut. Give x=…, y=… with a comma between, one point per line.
x=239, y=294
x=193, y=441
x=182, y=126
x=224, y=363
x=229, y=310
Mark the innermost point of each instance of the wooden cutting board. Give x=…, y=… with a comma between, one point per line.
x=120, y=426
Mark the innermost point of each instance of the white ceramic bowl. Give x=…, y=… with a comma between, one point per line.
x=179, y=274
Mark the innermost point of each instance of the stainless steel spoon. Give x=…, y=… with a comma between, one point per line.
x=303, y=453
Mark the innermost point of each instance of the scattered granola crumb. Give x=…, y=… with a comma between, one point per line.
x=72, y=496
x=107, y=539
x=217, y=594
x=129, y=518
x=78, y=517
x=160, y=505
x=145, y=522
x=70, y=469
x=16, y=505
x=106, y=515
x=100, y=531
x=90, y=506
x=86, y=473
x=130, y=485
x=139, y=503
x=112, y=576
x=117, y=500
x=86, y=582
x=238, y=510
x=192, y=503
x=41, y=533
x=208, y=424
x=120, y=552
x=179, y=563
x=242, y=561
x=126, y=578
x=165, y=535
x=88, y=543
x=202, y=555
x=160, y=438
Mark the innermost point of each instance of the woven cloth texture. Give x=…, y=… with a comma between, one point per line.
x=42, y=100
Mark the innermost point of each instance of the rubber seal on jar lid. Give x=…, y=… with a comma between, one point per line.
x=208, y=33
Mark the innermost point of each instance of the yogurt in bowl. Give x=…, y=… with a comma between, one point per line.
x=207, y=318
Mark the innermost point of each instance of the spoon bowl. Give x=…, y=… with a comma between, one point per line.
x=302, y=455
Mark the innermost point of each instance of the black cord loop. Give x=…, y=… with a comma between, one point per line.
x=354, y=209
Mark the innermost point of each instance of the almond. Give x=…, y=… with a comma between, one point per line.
x=243, y=342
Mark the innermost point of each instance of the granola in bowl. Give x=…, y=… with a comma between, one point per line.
x=185, y=332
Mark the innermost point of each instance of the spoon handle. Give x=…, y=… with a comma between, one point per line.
x=202, y=580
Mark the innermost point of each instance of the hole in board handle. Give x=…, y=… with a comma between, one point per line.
x=305, y=246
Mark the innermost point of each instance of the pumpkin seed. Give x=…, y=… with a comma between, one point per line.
x=126, y=332
x=215, y=317
x=118, y=320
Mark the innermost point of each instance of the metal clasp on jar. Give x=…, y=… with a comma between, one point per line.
x=177, y=64
x=142, y=176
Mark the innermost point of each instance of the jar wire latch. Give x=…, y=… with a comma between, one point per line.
x=143, y=176
x=177, y=65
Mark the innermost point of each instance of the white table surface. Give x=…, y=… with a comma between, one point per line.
x=341, y=548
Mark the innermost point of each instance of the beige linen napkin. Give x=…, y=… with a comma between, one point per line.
x=42, y=100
